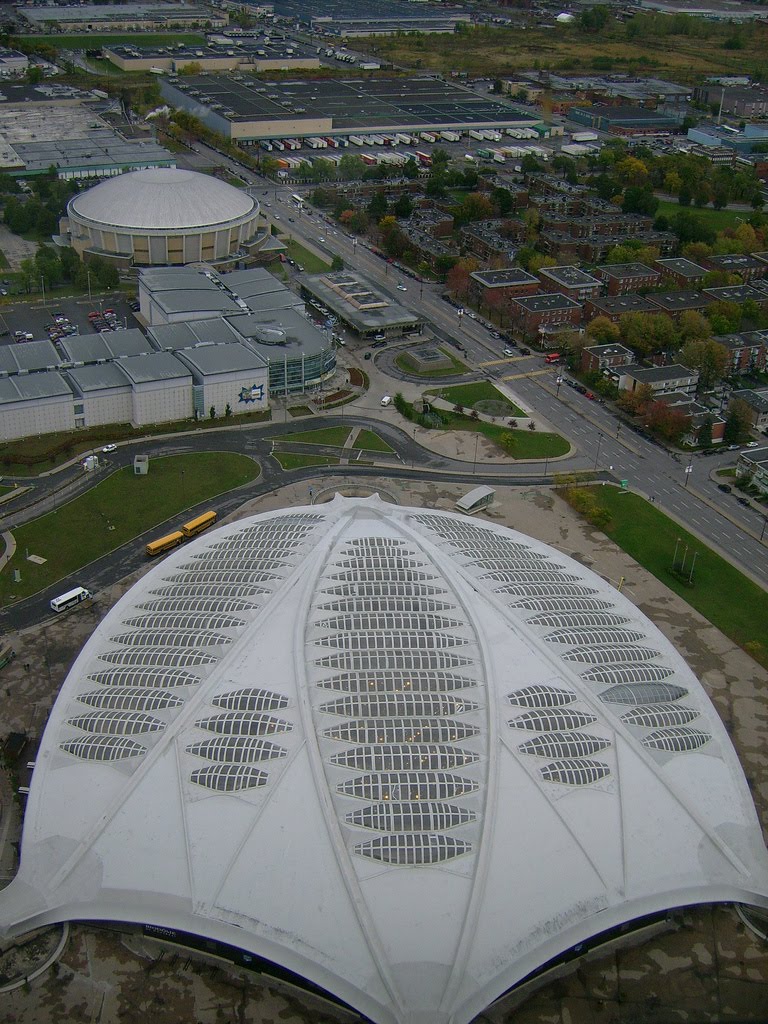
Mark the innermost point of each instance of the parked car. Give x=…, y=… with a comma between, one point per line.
x=386, y=400
x=743, y=501
x=525, y=351
x=725, y=488
x=752, y=444
x=109, y=448
x=509, y=351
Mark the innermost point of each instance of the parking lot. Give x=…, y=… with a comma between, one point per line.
x=58, y=317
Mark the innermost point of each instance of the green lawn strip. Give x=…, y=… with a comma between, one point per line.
x=529, y=444
x=311, y=263
x=3, y=261
x=291, y=460
x=5, y=490
x=717, y=219
x=470, y=395
x=78, y=532
x=88, y=41
x=39, y=453
x=404, y=363
x=368, y=441
x=324, y=435
x=728, y=599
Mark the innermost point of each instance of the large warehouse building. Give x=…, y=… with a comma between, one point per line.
x=393, y=753
x=246, y=109
x=165, y=216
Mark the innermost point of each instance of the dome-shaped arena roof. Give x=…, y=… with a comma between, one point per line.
x=403, y=754
x=162, y=198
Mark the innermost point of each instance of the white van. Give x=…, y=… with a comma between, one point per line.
x=386, y=400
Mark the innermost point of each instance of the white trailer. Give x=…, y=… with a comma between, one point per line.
x=478, y=136
x=356, y=140
x=498, y=156
x=450, y=136
x=584, y=137
x=404, y=139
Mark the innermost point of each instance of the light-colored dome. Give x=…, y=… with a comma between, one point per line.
x=564, y=18
x=406, y=755
x=162, y=198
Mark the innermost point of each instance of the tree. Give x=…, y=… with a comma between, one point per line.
x=636, y=402
x=724, y=317
x=737, y=422
x=693, y=326
x=709, y=357
x=377, y=207
x=403, y=208
x=228, y=411
x=337, y=263
x=212, y=412
x=410, y=168
x=440, y=157
x=704, y=433
x=640, y=200
x=603, y=330
x=647, y=333
x=631, y=171
x=457, y=278
x=666, y=421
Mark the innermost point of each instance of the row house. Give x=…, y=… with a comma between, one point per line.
x=623, y=278
x=425, y=246
x=697, y=414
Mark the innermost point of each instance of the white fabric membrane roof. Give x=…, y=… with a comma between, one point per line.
x=407, y=755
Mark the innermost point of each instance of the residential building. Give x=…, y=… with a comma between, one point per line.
x=676, y=303
x=623, y=278
x=485, y=240
x=488, y=286
x=662, y=380
x=571, y=281
x=738, y=293
x=532, y=313
x=757, y=400
x=681, y=272
x=596, y=358
x=747, y=266
x=749, y=351
x=752, y=465
x=615, y=306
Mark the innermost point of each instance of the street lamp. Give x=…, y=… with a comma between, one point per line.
x=42, y=286
x=688, y=471
x=597, y=453
x=559, y=382
x=762, y=532
x=474, y=462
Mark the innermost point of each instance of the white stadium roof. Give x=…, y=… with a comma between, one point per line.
x=403, y=754
x=162, y=198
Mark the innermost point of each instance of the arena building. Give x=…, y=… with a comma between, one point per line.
x=165, y=216
x=396, y=754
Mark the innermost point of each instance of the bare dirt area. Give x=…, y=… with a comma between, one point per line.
x=706, y=967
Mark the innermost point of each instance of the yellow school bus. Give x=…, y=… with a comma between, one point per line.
x=162, y=544
x=200, y=523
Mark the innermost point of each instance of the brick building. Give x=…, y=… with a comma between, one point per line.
x=490, y=286
x=615, y=306
x=622, y=278
x=681, y=272
x=571, y=281
x=532, y=313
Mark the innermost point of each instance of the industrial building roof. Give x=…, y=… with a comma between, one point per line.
x=356, y=301
x=100, y=377
x=38, y=386
x=346, y=104
x=27, y=356
x=210, y=360
x=408, y=756
x=154, y=367
x=100, y=149
x=171, y=337
x=93, y=348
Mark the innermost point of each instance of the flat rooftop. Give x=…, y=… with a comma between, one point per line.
x=615, y=305
x=99, y=148
x=627, y=270
x=680, y=265
x=570, y=277
x=673, y=301
x=503, y=278
x=106, y=13
x=546, y=303
x=350, y=104
x=356, y=301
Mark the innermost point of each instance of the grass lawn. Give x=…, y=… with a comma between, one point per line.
x=404, y=363
x=78, y=532
x=717, y=219
x=368, y=441
x=289, y=460
x=730, y=601
x=311, y=263
x=529, y=444
x=325, y=435
x=473, y=395
x=88, y=41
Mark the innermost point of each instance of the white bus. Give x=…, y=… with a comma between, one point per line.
x=72, y=597
x=298, y=200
